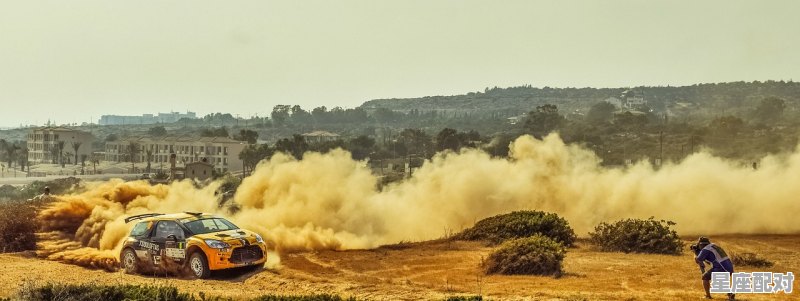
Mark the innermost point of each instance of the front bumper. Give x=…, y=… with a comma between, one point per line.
x=236, y=257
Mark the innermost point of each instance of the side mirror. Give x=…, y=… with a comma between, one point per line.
x=172, y=237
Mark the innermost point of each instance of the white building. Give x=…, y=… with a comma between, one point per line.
x=320, y=136
x=221, y=152
x=46, y=144
x=146, y=118
x=628, y=100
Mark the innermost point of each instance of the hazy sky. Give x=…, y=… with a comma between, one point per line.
x=75, y=60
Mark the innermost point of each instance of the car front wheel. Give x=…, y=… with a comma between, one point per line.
x=129, y=261
x=198, y=265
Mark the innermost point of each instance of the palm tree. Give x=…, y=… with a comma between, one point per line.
x=60, y=149
x=11, y=154
x=67, y=157
x=149, y=154
x=133, y=150
x=3, y=146
x=75, y=146
x=23, y=159
x=95, y=161
x=53, y=153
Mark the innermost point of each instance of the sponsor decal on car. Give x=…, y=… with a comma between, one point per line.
x=149, y=245
x=175, y=253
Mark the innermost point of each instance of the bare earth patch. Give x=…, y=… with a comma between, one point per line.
x=435, y=270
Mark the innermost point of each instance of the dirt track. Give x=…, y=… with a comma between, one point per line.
x=434, y=270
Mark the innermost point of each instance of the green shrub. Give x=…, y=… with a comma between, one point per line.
x=637, y=236
x=92, y=292
x=464, y=298
x=322, y=297
x=534, y=255
x=750, y=259
x=57, y=186
x=519, y=224
x=17, y=226
x=100, y=292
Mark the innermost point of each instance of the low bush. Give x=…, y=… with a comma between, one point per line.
x=17, y=226
x=57, y=186
x=750, y=259
x=322, y=297
x=534, y=255
x=464, y=298
x=637, y=236
x=520, y=224
x=92, y=292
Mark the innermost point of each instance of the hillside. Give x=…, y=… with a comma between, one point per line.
x=517, y=100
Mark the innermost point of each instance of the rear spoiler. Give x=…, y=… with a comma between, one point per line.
x=141, y=216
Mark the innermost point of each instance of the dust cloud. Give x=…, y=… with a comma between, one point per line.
x=329, y=201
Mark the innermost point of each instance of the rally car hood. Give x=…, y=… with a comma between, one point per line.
x=235, y=238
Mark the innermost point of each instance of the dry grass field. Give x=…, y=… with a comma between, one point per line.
x=438, y=269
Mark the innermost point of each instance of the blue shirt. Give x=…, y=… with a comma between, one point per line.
x=717, y=257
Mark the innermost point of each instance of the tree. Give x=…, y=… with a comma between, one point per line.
x=728, y=125
x=630, y=120
x=11, y=154
x=600, y=112
x=361, y=147
x=296, y=146
x=60, y=148
x=280, y=114
x=68, y=157
x=149, y=154
x=416, y=142
x=300, y=116
x=769, y=110
x=75, y=146
x=95, y=160
x=22, y=158
x=384, y=115
x=543, y=120
x=254, y=153
x=447, y=139
x=133, y=151
x=214, y=132
x=3, y=148
x=320, y=114
x=157, y=131
x=247, y=135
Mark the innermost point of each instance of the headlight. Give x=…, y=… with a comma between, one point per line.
x=259, y=239
x=216, y=244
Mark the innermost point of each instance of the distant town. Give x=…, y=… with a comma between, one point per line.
x=740, y=120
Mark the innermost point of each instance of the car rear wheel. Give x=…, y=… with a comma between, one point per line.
x=129, y=261
x=198, y=265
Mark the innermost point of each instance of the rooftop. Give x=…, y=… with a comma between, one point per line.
x=320, y=134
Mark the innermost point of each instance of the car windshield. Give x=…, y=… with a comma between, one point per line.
x=210, y=225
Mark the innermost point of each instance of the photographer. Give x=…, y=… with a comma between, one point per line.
x=714, y=254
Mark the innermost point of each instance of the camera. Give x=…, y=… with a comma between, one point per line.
x=695, y=248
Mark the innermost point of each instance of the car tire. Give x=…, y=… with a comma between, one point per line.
x=198, y=265
x=129, y=261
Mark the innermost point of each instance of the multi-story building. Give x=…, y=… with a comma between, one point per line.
x=58, y=145
x=221, y=152
x=146, y=118
x=628, y=100
x=320, y=136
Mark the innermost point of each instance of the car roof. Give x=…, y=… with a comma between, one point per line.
x=182, y=217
